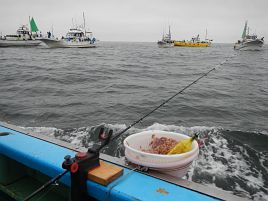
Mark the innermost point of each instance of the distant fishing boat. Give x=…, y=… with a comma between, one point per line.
x=23, y=38
x=76, y=37
x=249, y=41
x=194, y=42
x=166, y=41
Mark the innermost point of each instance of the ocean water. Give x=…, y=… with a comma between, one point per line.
x=69, y=93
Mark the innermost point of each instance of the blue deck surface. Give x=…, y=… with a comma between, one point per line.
x=47, y=158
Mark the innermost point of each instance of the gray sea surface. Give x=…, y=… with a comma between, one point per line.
x=69, y=93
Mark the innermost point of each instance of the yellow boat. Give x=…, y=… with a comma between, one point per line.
x=194, y=42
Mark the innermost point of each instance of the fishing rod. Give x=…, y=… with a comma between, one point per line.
x=83, y=162
x=162, y=104
x=50, y=182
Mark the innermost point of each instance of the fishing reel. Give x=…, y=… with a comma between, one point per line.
x=79, y=165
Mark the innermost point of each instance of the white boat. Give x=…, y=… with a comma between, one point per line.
x=249, y=41
x=76, y=37
x=23, y=38
x=166, y=41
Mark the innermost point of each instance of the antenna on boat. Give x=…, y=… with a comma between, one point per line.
x=30, y=22
x=52, y=30
x=84, y=20
x=169, y=33
x=84, y=23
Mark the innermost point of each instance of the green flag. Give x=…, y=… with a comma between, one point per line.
x=33, y=26
x=245, y=30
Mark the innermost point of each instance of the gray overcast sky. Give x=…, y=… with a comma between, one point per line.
x=140, y=20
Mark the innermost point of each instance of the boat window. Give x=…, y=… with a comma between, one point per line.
x=11, y=35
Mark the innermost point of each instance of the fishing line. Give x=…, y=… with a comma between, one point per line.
x=167, y=100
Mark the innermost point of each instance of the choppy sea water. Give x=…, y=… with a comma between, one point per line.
x=69, y=93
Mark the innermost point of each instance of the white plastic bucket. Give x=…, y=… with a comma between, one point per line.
x=176, y=164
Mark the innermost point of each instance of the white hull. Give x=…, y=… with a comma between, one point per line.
x=251, y=45
x=165, y=45
x=54, y=43
x=19, y=43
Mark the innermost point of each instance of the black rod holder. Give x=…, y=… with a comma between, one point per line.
x=81, y=164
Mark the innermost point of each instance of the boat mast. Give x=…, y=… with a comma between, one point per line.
x=169, y=33
x=30, y=24
x=52, y=34
x=84, y=22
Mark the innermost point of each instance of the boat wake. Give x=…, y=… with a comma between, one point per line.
x=234, y=161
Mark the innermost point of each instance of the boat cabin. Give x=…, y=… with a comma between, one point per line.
x=196, y=39
x=75, y=33
x=251, y=37
x=79, y=35
x=23, y=33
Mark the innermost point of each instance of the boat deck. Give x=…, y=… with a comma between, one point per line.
x=46, y=157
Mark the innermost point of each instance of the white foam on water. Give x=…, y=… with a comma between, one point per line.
x=260, y=196
x=223, y=161
x=219, y=161
x=49, y=131
x=117, y=126
x=182, y=129
x=241, y=191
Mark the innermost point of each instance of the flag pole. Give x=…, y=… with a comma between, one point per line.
x=30, y=24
